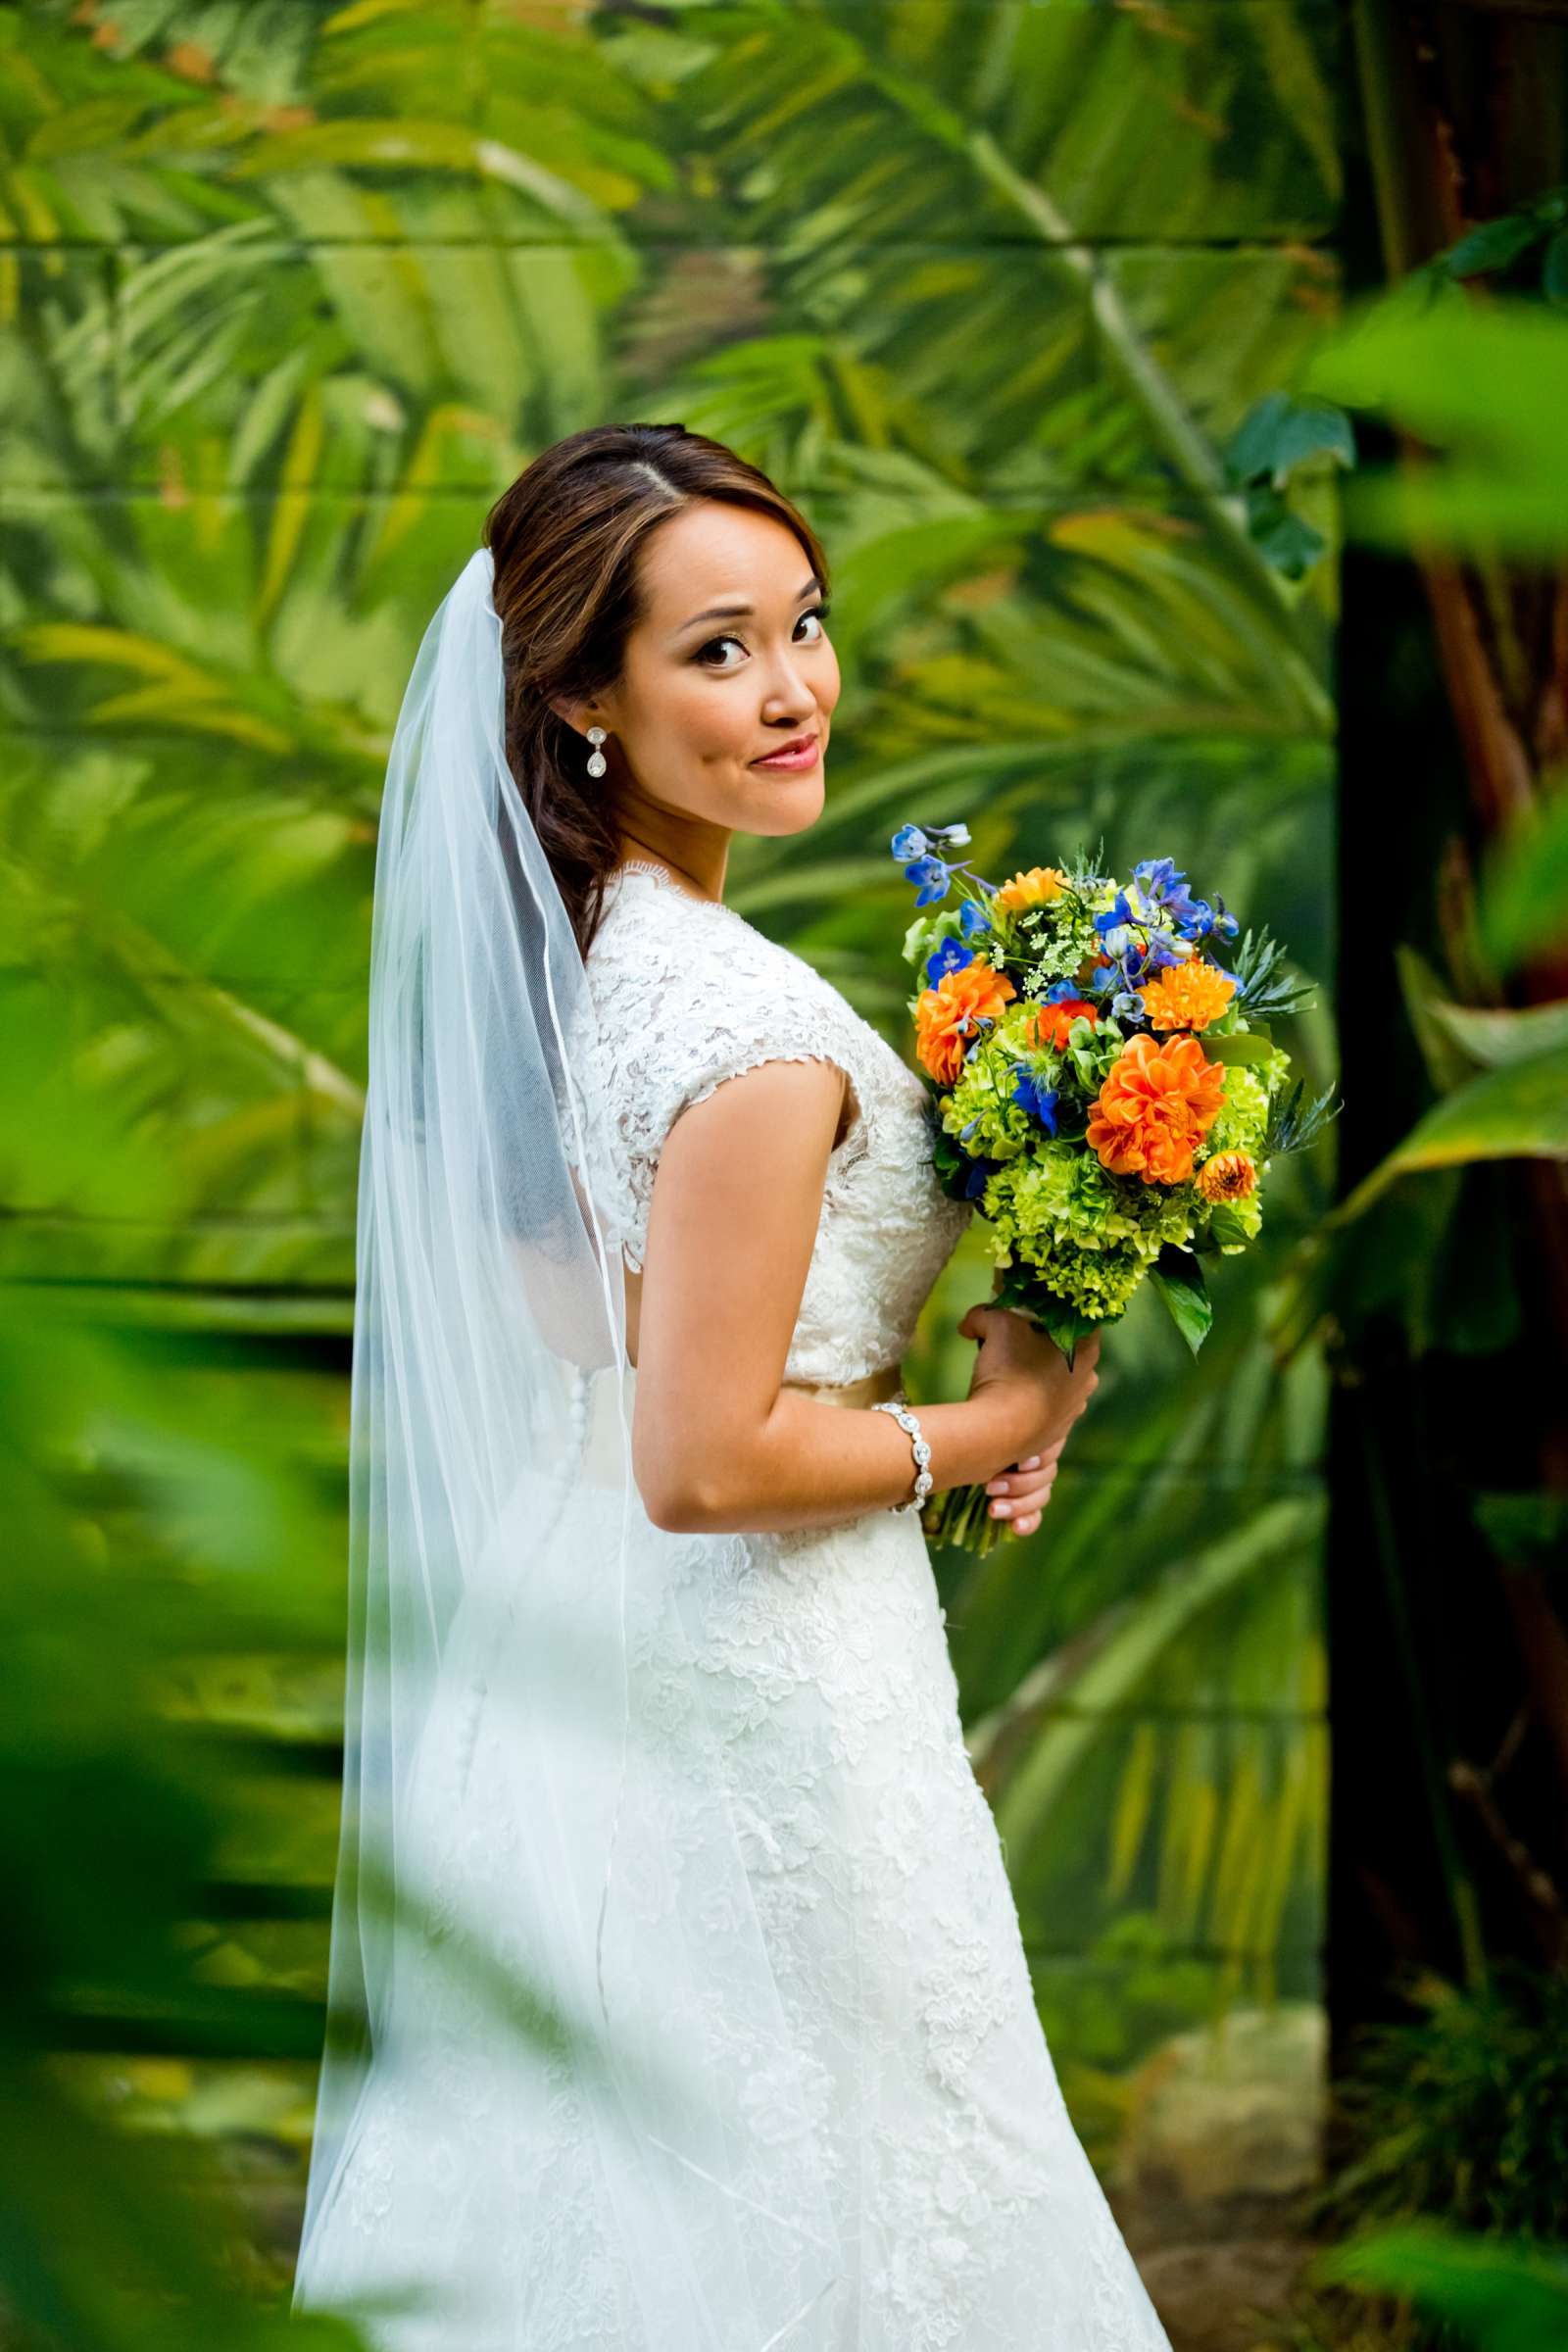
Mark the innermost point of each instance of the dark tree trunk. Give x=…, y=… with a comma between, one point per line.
x=1449, y=1666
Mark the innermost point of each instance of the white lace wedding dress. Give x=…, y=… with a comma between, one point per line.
x=970, y=2218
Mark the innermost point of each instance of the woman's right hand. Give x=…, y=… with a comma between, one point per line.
x=1022, y=1377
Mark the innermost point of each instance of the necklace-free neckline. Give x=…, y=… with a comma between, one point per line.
x=645, y=865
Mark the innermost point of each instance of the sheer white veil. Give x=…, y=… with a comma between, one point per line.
x=546, y=1972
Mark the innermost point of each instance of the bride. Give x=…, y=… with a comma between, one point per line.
x=676, y=2001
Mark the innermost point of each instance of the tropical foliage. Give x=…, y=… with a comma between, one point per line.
x=288, y=292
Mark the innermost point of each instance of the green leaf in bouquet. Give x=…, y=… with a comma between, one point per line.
x=1221, y=1228
x=1061, y=1322
x=1236, y=1045
x=927, y=932
x=1018, y=1286
x=1179, y=1279
x=950, y=1162
x=1021, y=1287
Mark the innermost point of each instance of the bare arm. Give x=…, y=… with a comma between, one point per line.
x=717, y=1444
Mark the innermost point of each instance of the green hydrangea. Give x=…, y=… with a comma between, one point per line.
x=1250, y=1089
x=1059, y=1212
x=1236, y=1223
x=983, y=1093
x=1242, y=1114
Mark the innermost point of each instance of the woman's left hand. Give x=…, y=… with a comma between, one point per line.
x=1021, y=1493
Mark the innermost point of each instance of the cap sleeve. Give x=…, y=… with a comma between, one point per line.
x=681, y=1010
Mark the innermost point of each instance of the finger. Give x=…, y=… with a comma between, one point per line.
x=1020, y=1486
x=1021, y=1481
x=1026, y=1494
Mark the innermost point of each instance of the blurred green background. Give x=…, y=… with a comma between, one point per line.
x=290, y=291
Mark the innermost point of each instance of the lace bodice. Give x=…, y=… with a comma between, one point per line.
x=688, y=993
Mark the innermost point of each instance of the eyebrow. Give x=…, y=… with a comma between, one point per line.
x=744, y=611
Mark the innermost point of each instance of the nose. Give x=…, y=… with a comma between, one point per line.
x=791, y=695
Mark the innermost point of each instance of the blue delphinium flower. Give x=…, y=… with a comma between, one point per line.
x=1159, y=954
x=1164, y=889
x=1039, y=1101
x=1214, y=919
x=972, y=920
x=931, y=878
x=1113, y=926
x=1126, y=1004
x=947, y=957
x=1168, y=893
x=915, y=847
x=979, y=1169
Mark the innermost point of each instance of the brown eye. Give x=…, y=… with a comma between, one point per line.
x=814, y=613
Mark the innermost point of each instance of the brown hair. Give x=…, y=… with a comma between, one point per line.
x=566, y=539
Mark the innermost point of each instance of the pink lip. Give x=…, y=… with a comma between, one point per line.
x=803, y=755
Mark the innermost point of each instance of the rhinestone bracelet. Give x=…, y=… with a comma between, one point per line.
x=922, y=1453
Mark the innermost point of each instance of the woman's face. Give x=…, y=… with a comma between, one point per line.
x=704, y=694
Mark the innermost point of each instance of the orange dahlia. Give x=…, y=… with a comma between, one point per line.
x=1227, y=1176
x=1154, y=1109
x=1185, y=996
x=1053, y=1022
x=1030, y=889
x=948, y=1017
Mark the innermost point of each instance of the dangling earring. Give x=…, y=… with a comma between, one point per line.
x=596, y=759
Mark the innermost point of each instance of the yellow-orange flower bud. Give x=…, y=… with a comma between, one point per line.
x=1227, y=1176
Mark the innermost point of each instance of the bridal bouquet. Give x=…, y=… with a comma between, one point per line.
x=1107, y=1092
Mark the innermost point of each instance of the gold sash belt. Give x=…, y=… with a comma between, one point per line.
x=886, y=1383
